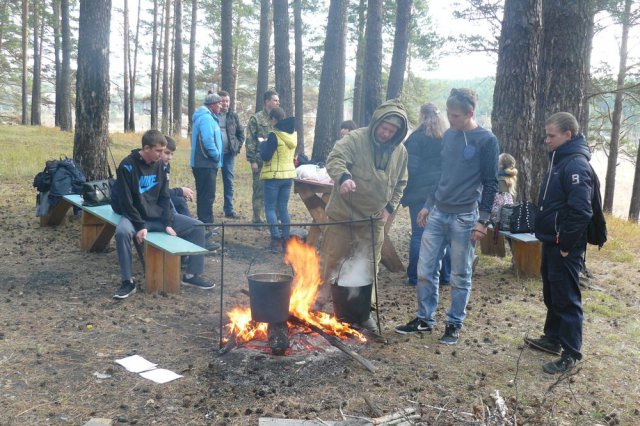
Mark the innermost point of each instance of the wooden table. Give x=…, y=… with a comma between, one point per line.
x=315, y=196
x=527, y=254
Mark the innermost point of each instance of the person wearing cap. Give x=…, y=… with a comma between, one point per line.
x=369, y=170
x=206, y=155
x=457, y=213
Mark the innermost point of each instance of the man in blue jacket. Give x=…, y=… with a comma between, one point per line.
x=564, y=212
x=206, y=155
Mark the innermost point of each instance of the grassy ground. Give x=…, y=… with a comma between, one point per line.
x=50, y=293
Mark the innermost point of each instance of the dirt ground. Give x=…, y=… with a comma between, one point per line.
x=60, y=329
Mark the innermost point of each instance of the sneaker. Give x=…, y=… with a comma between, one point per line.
x=212, y=246
x=565, y=363
x=369, y=325
x=476, y=259
x=451, y=335
x=126, y=289
x=198, y=282
x=544, y=344
x=211, y=232
x=276, y=246
x=232, y=215
x=418, y=325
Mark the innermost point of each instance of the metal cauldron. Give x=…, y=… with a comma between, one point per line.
x=351, y=304
x=269, y=297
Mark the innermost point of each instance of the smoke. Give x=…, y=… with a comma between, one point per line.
x=355, y=271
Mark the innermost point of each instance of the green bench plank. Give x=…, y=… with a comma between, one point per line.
x=525, y=238
x=74, y=199
x=173, y=245
x=105, y=213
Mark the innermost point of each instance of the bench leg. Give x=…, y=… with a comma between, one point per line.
x=162, y=271
x=96, y=234
x=527, y=258
x=56, y=215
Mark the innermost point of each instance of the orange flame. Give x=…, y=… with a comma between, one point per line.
x=306, y=281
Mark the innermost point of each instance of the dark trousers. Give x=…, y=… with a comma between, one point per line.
x=180, y=205
x=562, y=297
x=205, y=192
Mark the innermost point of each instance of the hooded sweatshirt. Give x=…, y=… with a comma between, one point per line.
x=206, y=153
x=281, y=166
x=564, y=203
x=141, y=191
x=379, y=170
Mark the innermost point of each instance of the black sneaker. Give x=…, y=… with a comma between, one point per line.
x=232, y=215
x=212, y=246
x=565, y=363
x=418, y=325
x=544, y=344
x=126, y=289
x=198, y=282
x=451, y=335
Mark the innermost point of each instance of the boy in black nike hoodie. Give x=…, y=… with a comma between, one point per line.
x=141, y=196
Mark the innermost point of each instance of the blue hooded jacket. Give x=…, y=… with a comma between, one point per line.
x=207, y=154
x=564, y=203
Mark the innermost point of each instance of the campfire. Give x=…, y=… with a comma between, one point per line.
x=304, y=261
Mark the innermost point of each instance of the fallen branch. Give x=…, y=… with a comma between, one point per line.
x=399, y=415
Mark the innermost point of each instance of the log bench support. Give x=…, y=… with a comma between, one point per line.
x=527, y=254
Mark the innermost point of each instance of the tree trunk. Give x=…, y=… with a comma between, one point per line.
x=616, y=116
x=177, y=70
x=357, y=83
x=191, y=101
x=66, y=123
x=299, y=98
x=165, y=69
x=634, y=207
x=154, y=68
x=331, y=90
x=237, y=34
x=512, y=118
x=561, y=77
x=281, y=54
x=400, y=46
x=36, y=83
x=134, y=74
x=263, y=53
x=226, y=44
x=25, y=45
x=3, y=11
x=372, y=73
x=125, y=108
x=56, y=57
x=92, y=89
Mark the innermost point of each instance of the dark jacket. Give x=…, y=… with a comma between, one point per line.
x=564, y=203
x=141, y=191
x=235, y=133
x=424, y=166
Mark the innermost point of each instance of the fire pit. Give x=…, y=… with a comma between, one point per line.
x=266, y=319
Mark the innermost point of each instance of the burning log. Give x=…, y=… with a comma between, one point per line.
x=231, y=343
x=334, y=341
x=278, y=337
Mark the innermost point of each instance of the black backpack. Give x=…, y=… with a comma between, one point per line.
x=597, y=228
x=59, y=177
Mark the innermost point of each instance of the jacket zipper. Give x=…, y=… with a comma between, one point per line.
x=555, y=227
x=544, y=196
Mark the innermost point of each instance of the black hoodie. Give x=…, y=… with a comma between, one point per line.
x=141, y=191
x=564, y=203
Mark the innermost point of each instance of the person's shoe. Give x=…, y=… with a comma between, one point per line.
x=126, y=289
x=212, y=232
x=232, y=215
x=451, y=335
x=565, y=363
x=276, y=246
x=417, y=325
x=544, y=344
x=258, y=222
x=198, y=282
x=410, y=281
x=212, y=246
x=476, y=259
x=369, y=325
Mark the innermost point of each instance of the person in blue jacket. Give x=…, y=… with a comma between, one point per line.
x=206, y=155
x=564, y=212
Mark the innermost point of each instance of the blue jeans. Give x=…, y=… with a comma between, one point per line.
x=276, y=196
x=446, y=229
x=414, y=249
x=228, y=167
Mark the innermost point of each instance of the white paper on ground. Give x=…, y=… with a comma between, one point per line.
x=160, y=375
x=136, y=364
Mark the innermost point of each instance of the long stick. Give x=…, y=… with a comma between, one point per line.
x=334, y=341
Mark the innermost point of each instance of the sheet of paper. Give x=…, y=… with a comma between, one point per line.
x=160, y=375
x=136, y=364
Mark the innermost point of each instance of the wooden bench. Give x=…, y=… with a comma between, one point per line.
x=527, y=254
x=161, y=251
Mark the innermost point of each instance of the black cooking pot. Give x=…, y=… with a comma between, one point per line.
x=351, y=304
x=269, y=296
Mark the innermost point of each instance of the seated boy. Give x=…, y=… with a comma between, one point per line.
x=179, y=195
x=141, y=196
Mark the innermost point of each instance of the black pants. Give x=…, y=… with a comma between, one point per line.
x=205, y=192
x=561, y=292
